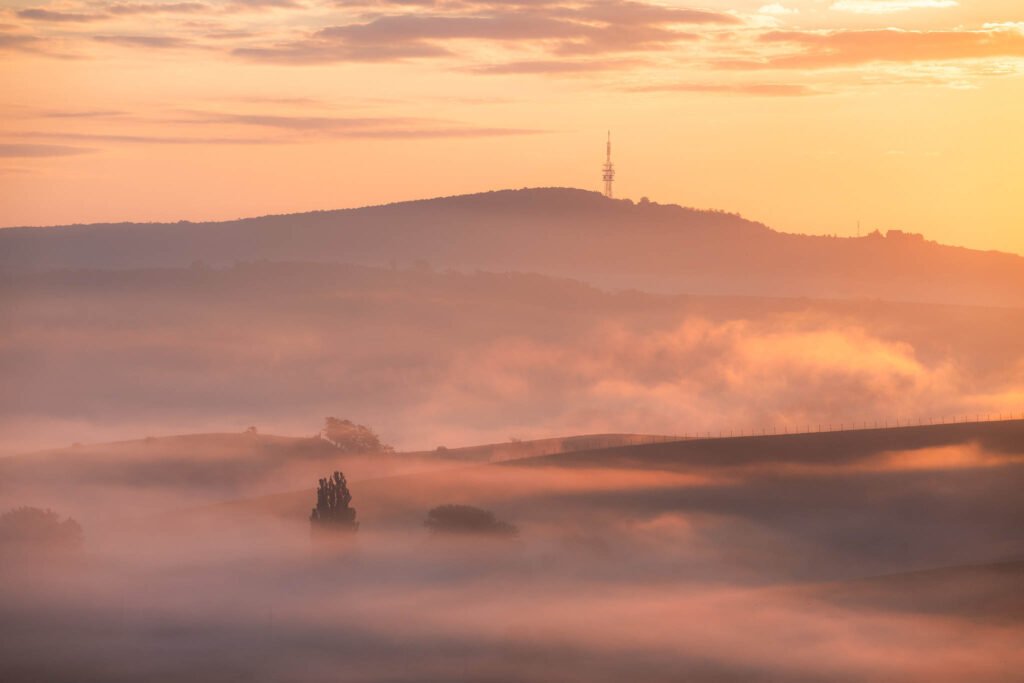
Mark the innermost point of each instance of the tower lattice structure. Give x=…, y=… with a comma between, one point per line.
x=609, y=168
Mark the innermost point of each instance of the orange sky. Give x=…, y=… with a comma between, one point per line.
x=805, y=114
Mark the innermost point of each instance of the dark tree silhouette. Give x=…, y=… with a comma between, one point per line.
x=29, y=529
x=333, y=510
x=466, y=519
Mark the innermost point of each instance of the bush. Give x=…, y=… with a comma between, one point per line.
x=466, y=519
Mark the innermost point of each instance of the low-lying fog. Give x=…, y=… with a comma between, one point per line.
x=794, y=559
x=456, y=359
x=846, y=556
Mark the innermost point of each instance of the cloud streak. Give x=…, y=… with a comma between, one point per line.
x=133, y=9
x=588, y=29
x=291, y=129
x=829, y=49
x=889, y=6
x=560, y=66
x=544, y=38
x=756, y=89
x=19, y=41
x=146, y=41
x=45, y=15
x=15, y=150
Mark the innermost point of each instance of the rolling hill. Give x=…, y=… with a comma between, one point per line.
x=830, y=453
x=166, y=472
x=563, y=232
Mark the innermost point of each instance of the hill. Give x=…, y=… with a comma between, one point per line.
x=564, y=232
x=981, y=592
x=145, y=475
x=842, y=455
x=780, y=510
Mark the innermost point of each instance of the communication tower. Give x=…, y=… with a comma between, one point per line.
x=609, y=169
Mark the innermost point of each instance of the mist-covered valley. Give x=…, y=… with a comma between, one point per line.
x=312, y=470
x=802, y=558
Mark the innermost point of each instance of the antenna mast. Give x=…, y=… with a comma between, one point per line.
x=609, y=169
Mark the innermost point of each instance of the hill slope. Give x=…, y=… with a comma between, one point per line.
x=837, y=450
x=567, y=232
x=834, y=505
x=145, y=474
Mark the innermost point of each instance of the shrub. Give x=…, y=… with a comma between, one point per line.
x=466, y=519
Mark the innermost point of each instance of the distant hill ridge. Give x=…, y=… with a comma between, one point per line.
x=555, y=231
x=830, y=449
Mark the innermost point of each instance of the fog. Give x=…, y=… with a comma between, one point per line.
x=860, y=520
x=455, y=359
x=817, y=557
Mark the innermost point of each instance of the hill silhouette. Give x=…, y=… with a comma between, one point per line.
x=555, y=231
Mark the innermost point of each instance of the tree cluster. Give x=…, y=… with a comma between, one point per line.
x=333, y=505
x=350, y=437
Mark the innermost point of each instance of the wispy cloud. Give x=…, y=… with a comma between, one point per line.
x=80, y=114
x=18, y=41
x=358, y=127
x=265, y=3
x=553, y=28
x=444, y=132
x=159, y=42
x=317, y=51
x=143, y=138
x=558, y=66
x=98, y=11
x=759, y=89
x=301, y=123
x=889, y=6
x=15, y=150
x=291, y=130
x=38, y=14
x=824, y=49
x=134, y=8
x=777, y=9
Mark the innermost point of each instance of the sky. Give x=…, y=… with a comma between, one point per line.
x=808, y=115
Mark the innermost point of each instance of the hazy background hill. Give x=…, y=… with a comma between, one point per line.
x=567, y=232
